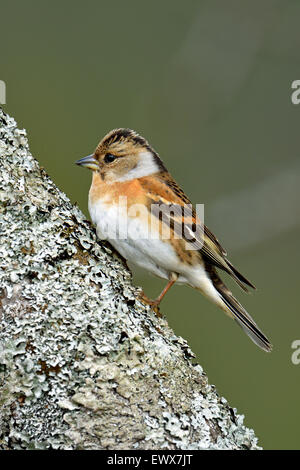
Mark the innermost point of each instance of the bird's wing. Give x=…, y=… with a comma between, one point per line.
x=170, y=204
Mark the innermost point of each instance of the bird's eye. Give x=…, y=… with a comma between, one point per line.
x=109, y=158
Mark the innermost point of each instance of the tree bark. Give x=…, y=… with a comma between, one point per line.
x=83, y=363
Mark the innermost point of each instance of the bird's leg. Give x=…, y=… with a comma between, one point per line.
x=173, y=279
x=156, y=302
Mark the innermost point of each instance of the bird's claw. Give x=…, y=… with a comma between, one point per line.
x=153, y=303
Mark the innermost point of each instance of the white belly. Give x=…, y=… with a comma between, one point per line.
x=131, y=239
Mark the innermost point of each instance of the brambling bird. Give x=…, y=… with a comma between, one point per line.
x=125, y=167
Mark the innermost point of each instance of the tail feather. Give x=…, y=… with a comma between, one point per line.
x=239, y=278
x=240, y=315
x=245, y=321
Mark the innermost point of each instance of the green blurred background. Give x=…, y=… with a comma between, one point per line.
x=208, y=83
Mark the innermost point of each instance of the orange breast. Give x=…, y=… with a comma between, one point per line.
x=111, y=192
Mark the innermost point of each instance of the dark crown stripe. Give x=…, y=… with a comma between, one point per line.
x=123, y=133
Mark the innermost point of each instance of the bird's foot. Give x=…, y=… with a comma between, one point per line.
x=153, y=303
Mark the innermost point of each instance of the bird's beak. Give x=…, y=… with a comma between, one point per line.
x=89, y=162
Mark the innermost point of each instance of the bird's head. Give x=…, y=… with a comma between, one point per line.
x=123, y=155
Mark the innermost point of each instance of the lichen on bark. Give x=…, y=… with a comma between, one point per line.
x=83, y=363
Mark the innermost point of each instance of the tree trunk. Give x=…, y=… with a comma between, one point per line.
x=83, y=363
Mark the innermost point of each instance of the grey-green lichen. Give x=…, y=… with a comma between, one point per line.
x=83, y=363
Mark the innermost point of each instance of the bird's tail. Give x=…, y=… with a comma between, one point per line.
x=240, y=315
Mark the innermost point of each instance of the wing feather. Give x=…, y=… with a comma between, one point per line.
x=170, y=203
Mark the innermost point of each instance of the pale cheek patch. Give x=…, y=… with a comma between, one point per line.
x=146, y=166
